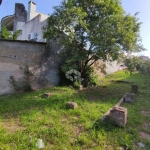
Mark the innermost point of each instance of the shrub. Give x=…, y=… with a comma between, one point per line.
x=22, y=84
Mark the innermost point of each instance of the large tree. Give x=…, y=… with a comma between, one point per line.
x=92, y=30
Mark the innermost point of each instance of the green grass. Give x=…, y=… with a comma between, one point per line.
x=30, y=115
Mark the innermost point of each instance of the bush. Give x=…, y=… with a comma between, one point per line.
x=22, y=84
x=144, y=67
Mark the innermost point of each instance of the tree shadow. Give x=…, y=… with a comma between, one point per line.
x=15, y=104
x=107, y=125
x=111, y=93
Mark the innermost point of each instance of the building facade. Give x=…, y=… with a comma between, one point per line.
x=29, y=23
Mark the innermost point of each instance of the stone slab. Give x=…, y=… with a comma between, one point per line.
x=129, y=97
x=47, y=95
x=72, y=105
x=119, y=115
x=134, y=89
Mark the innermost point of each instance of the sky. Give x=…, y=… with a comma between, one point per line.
x=130, y=6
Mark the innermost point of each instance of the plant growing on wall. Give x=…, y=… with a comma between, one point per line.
x=22, y=84
x=6, y=34
x=92, y=30
x=15, y=35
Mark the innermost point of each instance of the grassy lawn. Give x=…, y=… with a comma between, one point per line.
x=24, y=118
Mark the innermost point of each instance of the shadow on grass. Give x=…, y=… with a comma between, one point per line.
x=109, y=94
x=14, y=104
x=108, y=125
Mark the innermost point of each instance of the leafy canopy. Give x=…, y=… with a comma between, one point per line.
x=92, y=30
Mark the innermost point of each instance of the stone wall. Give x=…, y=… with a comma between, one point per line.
x=7, y=70
x=44, y=62
x=21, y=52
x=41, y=60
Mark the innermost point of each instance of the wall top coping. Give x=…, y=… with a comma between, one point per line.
x=23, y=41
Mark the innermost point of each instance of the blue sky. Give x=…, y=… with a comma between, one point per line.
x=130, y=6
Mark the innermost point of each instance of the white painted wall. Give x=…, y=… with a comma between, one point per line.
x=43, y=17
x=112, y=67
x=35, y=25
x=19, y=25
x=32, y=13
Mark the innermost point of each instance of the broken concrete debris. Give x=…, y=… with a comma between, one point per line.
x=72, y=105
x=119, y=115
x=129, y=97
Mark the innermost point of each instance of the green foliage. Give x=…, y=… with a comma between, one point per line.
x=63, y=80
x=92, y=30
x=22, y=84
x=35, y=116
x=144, y=67
x=94, y=79
x=131, y=63
x=91, y=78
x=15, y=35
x=76, y=84
x=134, y=63
x=5, y=34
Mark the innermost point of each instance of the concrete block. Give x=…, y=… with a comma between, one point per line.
x=129, y=97
x=134, y=89
x=80, y=87
x=72, y=105
x=119, y=115
x=47, y=95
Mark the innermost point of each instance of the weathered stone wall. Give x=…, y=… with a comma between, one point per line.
x=21, y=52
x=41, y=60
x=20, y=16
x=7, y=70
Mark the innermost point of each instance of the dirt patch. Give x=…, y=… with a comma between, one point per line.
x=121, y=81
x=65, y=119
x=78, y=130
x=12, y=126
x=121, y=148
x=145, y=113
x=145, y=135
x=146, y=125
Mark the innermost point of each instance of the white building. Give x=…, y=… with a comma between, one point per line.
x=29, y=23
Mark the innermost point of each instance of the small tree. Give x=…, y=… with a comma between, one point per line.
x=135, y=63
x=23, y=84
x=5, y=34
x=15, y=35
x=92, y=30
x=132, y=62
x=144, y=67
